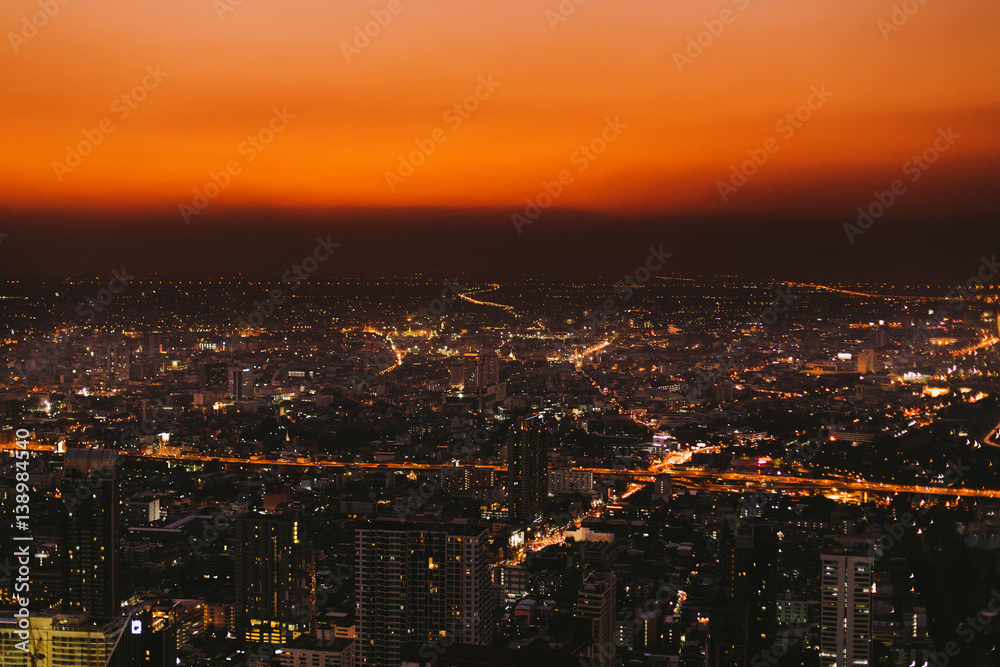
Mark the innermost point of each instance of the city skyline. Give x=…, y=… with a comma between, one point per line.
x=528, y=333
x=416, y=472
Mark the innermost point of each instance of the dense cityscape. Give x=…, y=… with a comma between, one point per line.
x=664, y=470
x=533, y=333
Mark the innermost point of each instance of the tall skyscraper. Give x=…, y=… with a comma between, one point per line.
x=527, y=467
x=275, y=577
x=745, y=613
x=846, y=607
x=214, y=375
x=596, y=602
x=421, y=581
x=89, y=491
x=723, y=391
x=11, y=416
x=241, y=383
x=152, y=344
x=118, y=359
x=867, y=361
x=457, y=370
x=475, y=373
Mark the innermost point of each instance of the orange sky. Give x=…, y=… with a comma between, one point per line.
x=557, y=87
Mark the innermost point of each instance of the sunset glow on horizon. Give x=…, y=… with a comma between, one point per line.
x=533, y=90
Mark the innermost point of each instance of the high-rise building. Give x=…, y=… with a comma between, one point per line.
x=867, y=361
x=567, y=480
x=421, y=581
x=846, y=606
x=527, y=467
x=638, y=630
x=745, y=613
x=11, y=411
x=596, y=603
x=457, y=370
x=878, y=336
x=481, y=369
x=661, y=487
x=488, y=371
x=885, y=622
x=275, y=577
x=475, y=373
x=141, y=511
x=724, y=391
x=118, y=359
x=214, y=375
x=241, y=383
x=89, y=491
x=62, y=640
x=134, y=639
x=151, y=639
x=152, y=344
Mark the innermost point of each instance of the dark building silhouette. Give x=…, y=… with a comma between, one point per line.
x=90, y=567
x=10, y=418
x=275, y=577
x=595, y=602
x=723, y=392
x=214, y=375
x=744, y=617
x=476, y=373
x=146, y=641
x=241, y=383
x=476, y=370
x=152, y=344
x=527, y=467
